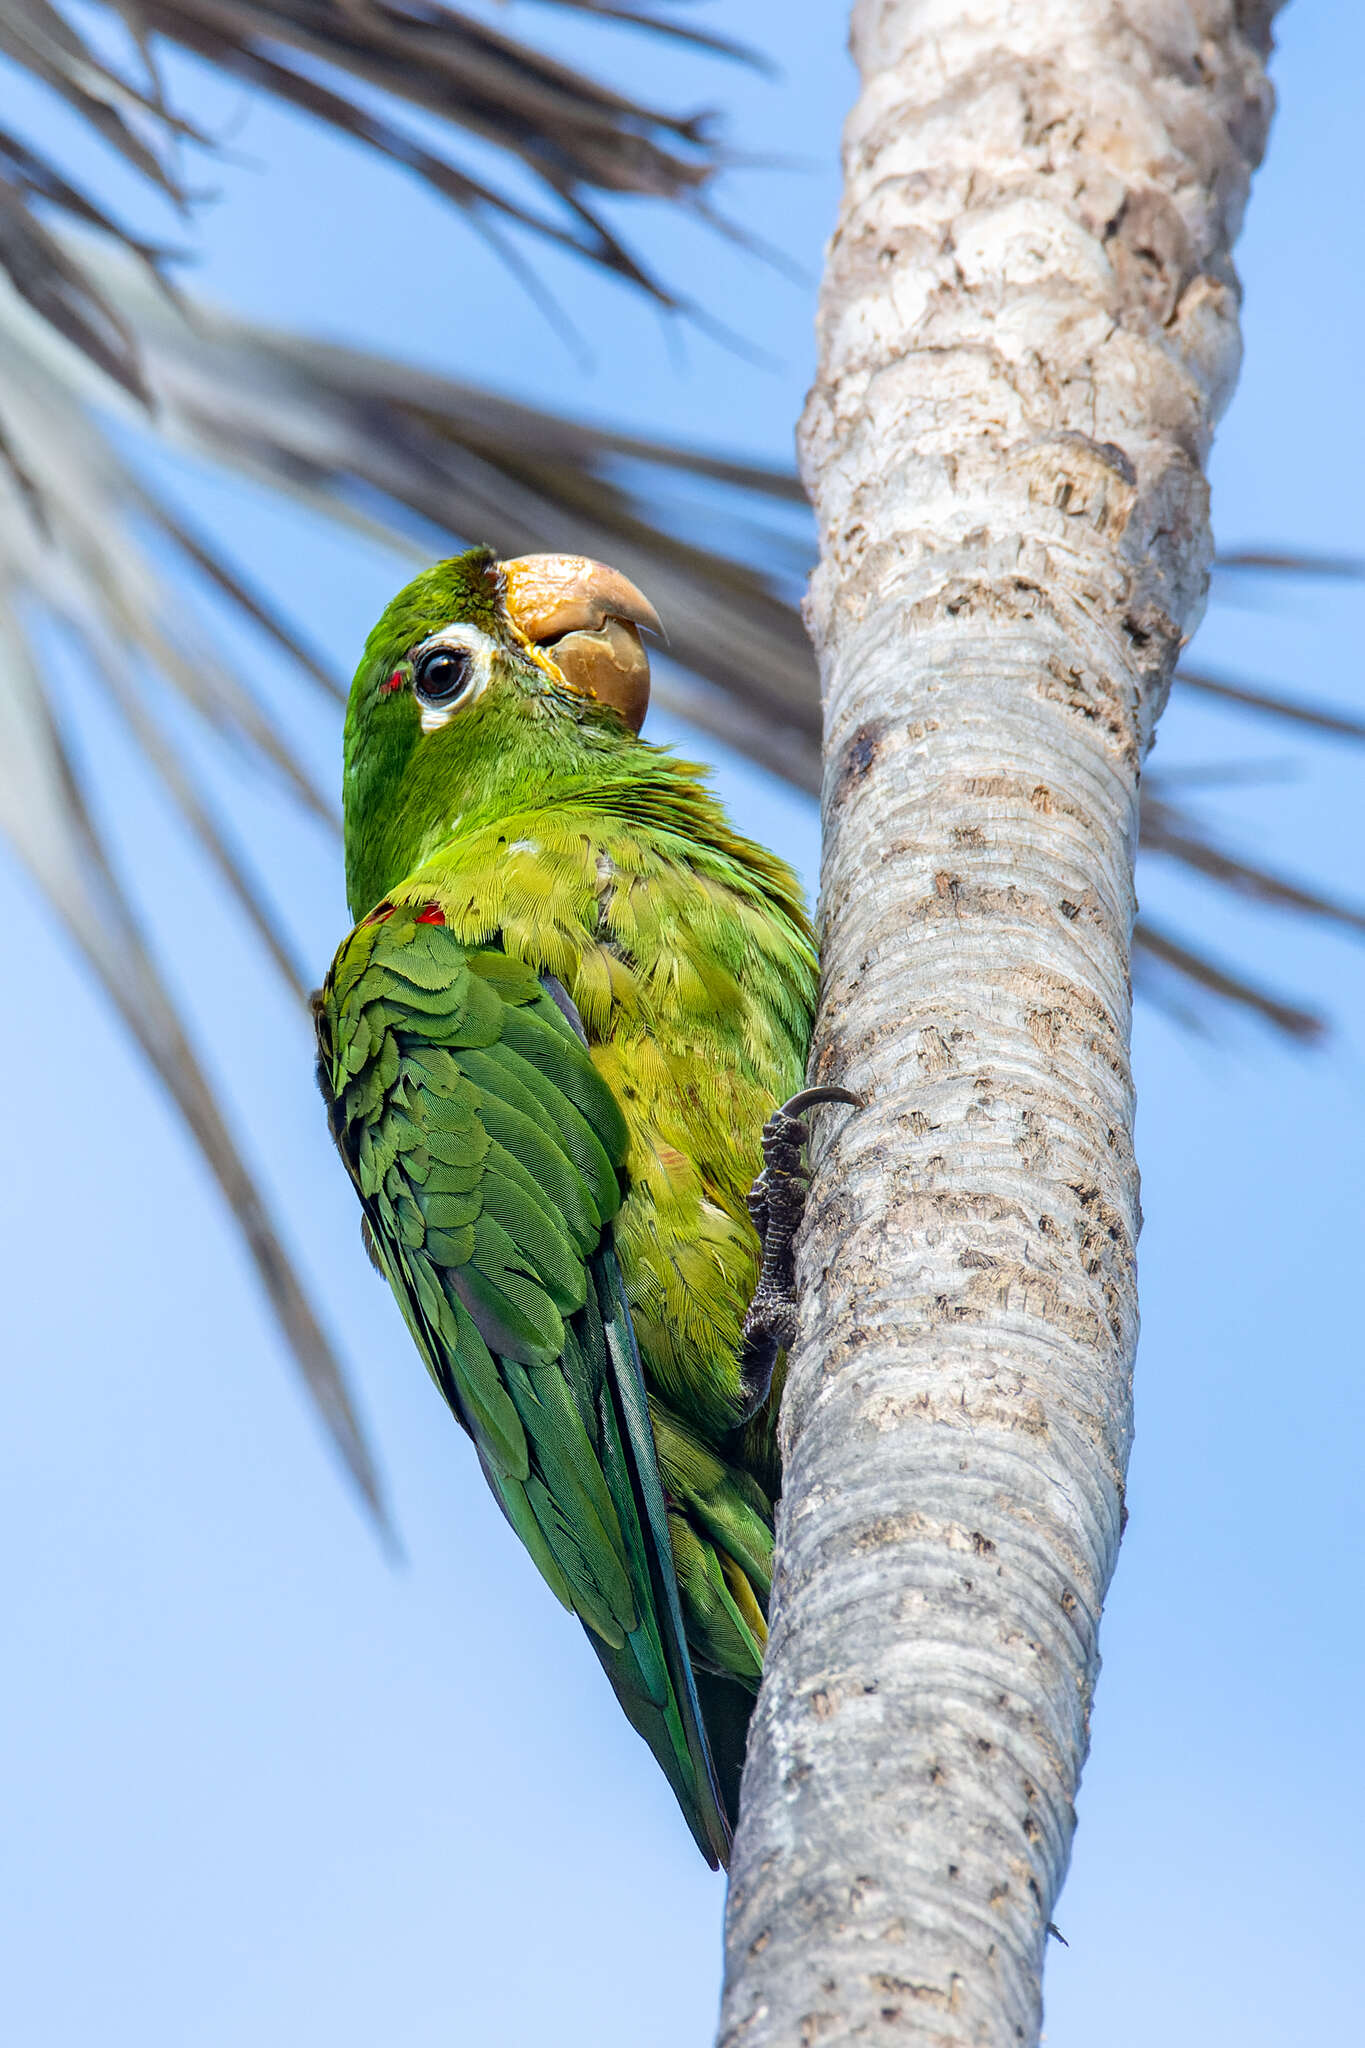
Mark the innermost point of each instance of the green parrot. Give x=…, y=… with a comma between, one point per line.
x=549, y=1049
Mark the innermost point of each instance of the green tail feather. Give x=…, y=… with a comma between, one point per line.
x=669, y=1718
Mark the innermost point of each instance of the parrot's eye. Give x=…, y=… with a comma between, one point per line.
x=439, y=676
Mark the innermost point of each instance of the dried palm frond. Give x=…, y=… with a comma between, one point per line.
x=347, y=66
x=44, y=816
x=69, y=556
x=1198, y=970
x=1292, y=710
x=45, y=272
x=1169, y=830
x=1292, y=562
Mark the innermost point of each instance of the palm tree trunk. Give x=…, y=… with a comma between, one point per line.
x=1028, y=328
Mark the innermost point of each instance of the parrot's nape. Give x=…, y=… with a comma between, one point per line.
x=549, y=1049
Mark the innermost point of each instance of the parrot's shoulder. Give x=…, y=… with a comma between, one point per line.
x=431, y=1049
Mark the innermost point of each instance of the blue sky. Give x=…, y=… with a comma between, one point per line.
x=262, y=1787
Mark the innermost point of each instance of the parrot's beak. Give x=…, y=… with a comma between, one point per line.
x=585, y=617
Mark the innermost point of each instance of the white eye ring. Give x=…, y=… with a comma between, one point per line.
x=454, y=639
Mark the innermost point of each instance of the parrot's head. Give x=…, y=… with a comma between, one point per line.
x=484, y=681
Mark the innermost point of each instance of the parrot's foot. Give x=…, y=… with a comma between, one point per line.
x=777, y=1201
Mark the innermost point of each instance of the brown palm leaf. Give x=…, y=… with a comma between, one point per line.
x=68, y=555
x=352, y=67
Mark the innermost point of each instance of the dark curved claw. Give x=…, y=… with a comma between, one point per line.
x=777, y=1201
x=811, y=1098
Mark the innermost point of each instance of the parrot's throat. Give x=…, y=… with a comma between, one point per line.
x=409, y=797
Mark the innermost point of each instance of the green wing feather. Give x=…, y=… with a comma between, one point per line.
x=486, y=1150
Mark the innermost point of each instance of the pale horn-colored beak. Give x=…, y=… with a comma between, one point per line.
x=585, y=618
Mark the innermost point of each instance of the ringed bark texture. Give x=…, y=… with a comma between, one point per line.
x=1028, y=328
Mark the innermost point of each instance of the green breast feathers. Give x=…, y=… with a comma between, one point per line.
x=549, y=1046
